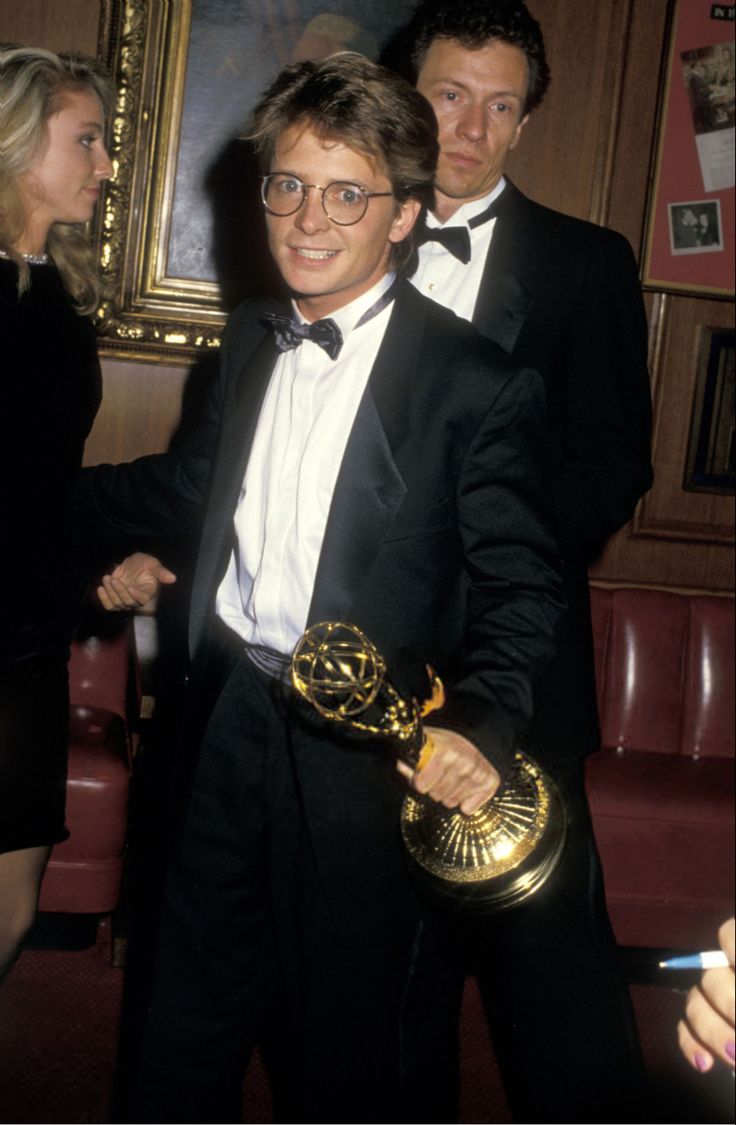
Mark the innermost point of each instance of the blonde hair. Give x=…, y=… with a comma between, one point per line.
x=33, y=84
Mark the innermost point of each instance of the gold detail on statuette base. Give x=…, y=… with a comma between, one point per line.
x=498, y=856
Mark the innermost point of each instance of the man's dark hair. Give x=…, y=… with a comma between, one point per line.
x=473, y=23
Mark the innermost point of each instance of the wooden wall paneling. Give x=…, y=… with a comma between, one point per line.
x=140, y=412
x=610, y=57
x=564, y=149
x=629, y=169
x=677, y=538
x=668, y=511
x=57, y=25
x=672, y=565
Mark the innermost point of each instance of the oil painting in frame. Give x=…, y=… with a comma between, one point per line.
x=180, y=229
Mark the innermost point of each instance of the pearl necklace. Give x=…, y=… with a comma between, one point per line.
x=32, y=259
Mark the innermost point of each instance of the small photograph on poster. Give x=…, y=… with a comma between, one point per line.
x=710, y=82
x=695, y=227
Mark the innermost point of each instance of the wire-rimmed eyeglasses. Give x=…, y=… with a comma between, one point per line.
x=342, y=202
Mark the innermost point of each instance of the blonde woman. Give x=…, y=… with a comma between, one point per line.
x=52, y=163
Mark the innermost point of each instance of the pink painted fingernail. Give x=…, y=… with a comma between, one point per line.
x=702, y=1062
x=731, y=1050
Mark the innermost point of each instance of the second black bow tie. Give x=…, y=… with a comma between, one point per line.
x=290, y=333
x=457, y=239
x=454, y=239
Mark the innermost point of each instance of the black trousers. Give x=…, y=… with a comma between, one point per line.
x=559, y=1011
x=289, y=921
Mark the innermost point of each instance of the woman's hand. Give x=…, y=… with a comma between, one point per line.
x=707, y=1031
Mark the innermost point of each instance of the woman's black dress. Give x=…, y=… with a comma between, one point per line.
x=50, y=390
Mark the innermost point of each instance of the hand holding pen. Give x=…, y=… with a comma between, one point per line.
x=707, y=1030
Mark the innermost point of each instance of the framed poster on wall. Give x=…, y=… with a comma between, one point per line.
x=689, y=238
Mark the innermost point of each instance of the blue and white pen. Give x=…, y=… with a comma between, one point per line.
x=710, y=959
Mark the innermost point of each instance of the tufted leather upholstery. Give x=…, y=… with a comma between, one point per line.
x=662, y=788
x=84, y=872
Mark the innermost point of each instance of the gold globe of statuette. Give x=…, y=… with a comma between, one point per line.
x=489, y=861
x=337, y=669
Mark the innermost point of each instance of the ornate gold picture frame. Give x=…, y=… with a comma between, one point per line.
x=148, y=309
x=180, y=227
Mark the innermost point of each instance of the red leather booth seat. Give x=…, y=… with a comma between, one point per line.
x=662, y=788
x=84, y=872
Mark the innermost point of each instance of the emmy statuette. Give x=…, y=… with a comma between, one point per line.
x=485, y=862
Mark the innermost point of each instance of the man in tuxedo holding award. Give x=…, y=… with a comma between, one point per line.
x=365, y=457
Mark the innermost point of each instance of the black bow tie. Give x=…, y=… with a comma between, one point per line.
x=454, y=239
x=457, y=239
x=290, y=333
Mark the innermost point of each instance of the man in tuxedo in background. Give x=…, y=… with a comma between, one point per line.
x=562, y=296
x=365, y=457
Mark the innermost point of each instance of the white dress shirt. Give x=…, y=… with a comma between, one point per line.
x=441, y=276
x=305, y=421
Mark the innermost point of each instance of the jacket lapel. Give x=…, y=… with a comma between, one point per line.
x=370, y=487
x=503, y=303
x=245, y=388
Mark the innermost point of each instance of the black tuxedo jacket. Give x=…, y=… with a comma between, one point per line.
x=563, y=296
x=438, y=543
